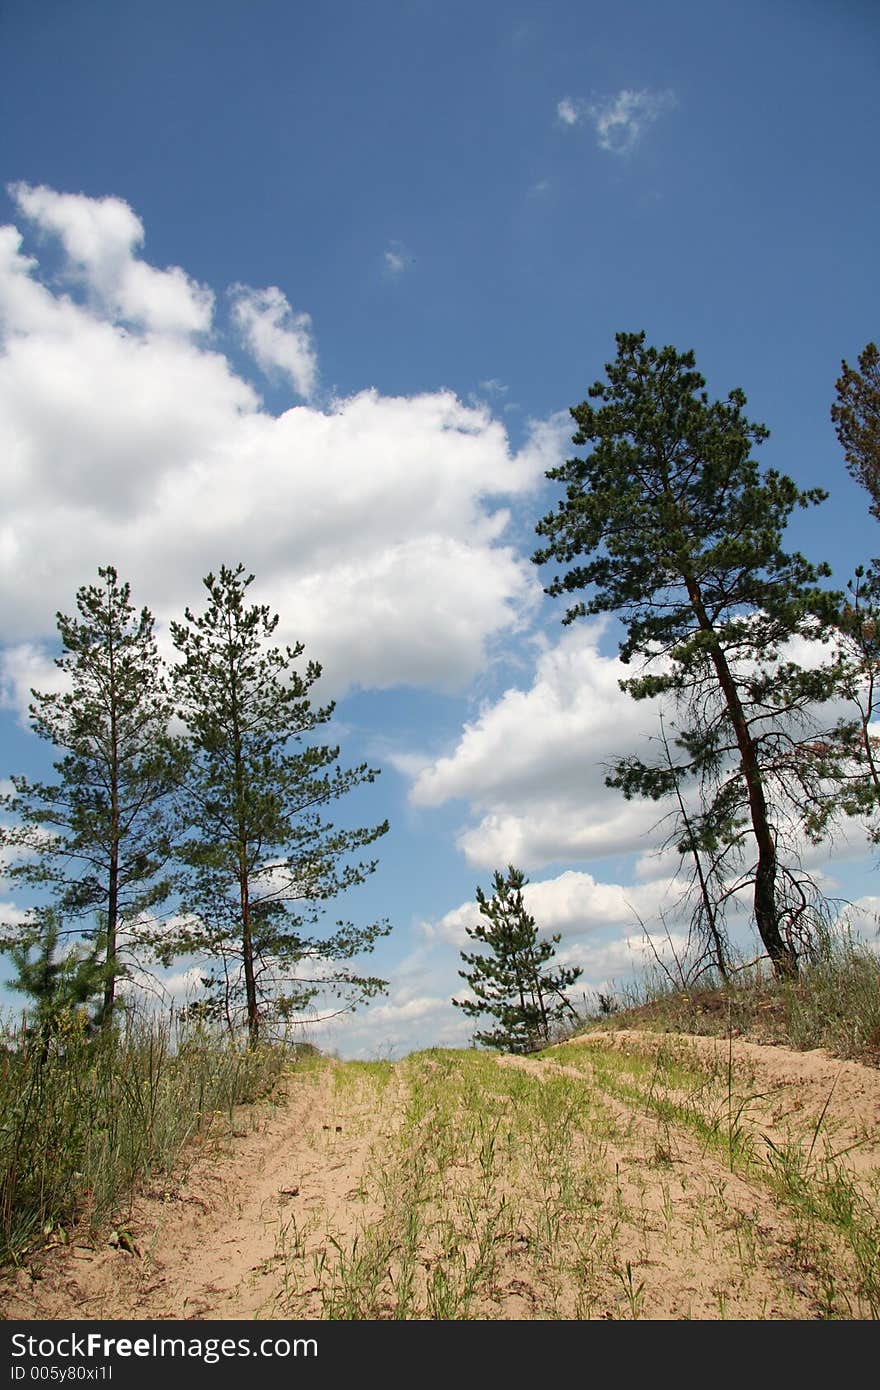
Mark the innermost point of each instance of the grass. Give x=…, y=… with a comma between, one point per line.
x=835, y=1216
x=480, y=1166
x=635, y=1177
x=833, y=1003
x=82, y=1124
x=485, y=1161
x=589, y=1182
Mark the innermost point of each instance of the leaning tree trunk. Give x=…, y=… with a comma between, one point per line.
x=783, y=958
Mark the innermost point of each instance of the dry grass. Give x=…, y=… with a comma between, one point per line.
x=85, y=1120
x=834, y=1003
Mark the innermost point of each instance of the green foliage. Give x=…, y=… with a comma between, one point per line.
x=670, y=524
x=98, y=840
x=510, y=983
x=259, y=860
x=856, y=416
x=58, y=982
x=855, y=787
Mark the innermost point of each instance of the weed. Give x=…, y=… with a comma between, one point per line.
x=84, y=1122
x=634, y=1292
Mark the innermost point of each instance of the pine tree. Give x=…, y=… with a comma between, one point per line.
x=856, y=416
x=58, y=980
x=259, y=861
x=510, y=983
x=670, y=524
x=98, y=840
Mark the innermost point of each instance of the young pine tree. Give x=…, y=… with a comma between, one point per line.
x=259, y=859
x=510, y=983
x=856, y=416
x=58, y=979
x=97, y=841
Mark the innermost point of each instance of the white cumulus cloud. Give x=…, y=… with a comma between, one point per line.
x=573, y=904
x=598, y=923
x=377, y=527
x=280, y=340
x=24, y=668
x=533, y=764
x=100, y=237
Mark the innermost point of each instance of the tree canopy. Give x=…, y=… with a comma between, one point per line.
x=856, y=416
x=856, y=791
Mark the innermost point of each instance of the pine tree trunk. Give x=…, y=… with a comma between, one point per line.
x=866, y=715
x=247, y=945
x=538, y=995
x=253, y=1017
x=113, y=885
x=782, y=957
x=112, y=916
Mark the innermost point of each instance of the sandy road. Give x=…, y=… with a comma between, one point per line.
x=346, y=1193
x=206, y=1244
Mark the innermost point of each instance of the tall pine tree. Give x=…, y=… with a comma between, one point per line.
x=669, y=523
x=856, y=417
x=259, y=859
x=97, y=841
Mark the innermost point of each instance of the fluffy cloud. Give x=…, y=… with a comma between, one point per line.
x=25, y=668
x=375, y=526
x=532, y=767
x=533, y=764
x=619, y=121
x=100, y=236
x=147, y=988
x=279, y=339
x=573, y=904
x=600, y=932
x=861, y=918
x=12, y=917
x=391, y=1030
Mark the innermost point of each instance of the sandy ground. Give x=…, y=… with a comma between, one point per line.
x=242, y=1231
x=783, y=1094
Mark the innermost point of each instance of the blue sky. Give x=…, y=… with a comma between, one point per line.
x=313, y=287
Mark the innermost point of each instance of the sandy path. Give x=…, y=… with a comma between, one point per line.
x=211, y=1245
x=253, y=1227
